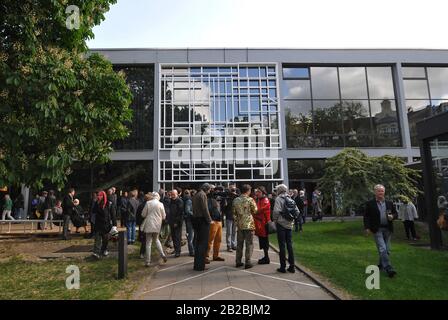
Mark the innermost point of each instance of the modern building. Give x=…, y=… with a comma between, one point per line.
x=266, y=116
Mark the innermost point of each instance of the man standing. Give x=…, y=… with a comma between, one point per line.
x=284, y=229
x=215, y=236
x=230, y=225
x=244, y=207
x=378, y=220
x=175, y=220
x=201, y=225
x=131, y=216
x=188, y=214
x=67, y=211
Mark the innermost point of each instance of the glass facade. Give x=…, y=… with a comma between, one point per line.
x=335, y=107
x=220, y=123
x=426, y=93
x=140, y=80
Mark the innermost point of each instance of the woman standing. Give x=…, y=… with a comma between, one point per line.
x=104, y=220
x=153, y=213
x=408, y=213
x=261, y=219
x=78, y=218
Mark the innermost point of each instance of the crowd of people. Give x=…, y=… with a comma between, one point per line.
x=160, y=218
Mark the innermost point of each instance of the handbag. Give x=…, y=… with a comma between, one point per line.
x=271, y=227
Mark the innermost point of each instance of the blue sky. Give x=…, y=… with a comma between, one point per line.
x=274, y=23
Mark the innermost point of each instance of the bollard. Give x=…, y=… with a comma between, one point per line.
x=122, y=255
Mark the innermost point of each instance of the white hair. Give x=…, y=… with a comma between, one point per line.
x=379, y=186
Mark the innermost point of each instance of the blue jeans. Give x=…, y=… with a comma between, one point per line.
x=382, y=241
x=284, y=237
x=230, y=234
x=130, y=229
x=190, y=235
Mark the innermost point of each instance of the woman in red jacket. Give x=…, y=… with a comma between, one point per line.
x=261, y=219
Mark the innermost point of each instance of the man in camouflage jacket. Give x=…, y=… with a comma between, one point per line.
x=243, y=209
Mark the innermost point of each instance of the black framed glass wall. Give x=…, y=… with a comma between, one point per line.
x=340, y=106
x=426, y=93
x=140, y=80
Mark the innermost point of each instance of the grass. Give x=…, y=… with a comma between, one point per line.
x=340, y=252
x=21, y=279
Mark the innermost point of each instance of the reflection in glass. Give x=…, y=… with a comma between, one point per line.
x=140, y=80
x=353, y=82
x=327, y=117
x=439, y=153
x=380, y=83
x=296, y=89
x=413, y=72
x=324, y=81
x=302, y=73
x=438, y=83
x=357, y=124
x=385, y=123
x=416, y=89
x=417, y=110
x=299, y=123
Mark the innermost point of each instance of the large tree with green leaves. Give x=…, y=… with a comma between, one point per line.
x=350, y=176
x=58, y=104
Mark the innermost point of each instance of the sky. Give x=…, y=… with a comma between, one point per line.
x=274, y=24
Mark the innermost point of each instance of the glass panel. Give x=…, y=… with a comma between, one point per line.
x=243, y=72
x=181, y=113
x=296, y=73
x=253, y=72
x=439, y=106
x=438, y=83
x=299, y=124
x=296, y=89
x=324, y=81
x=385, y=123
x=141, y=82
x=380, y=83
x=413, y=72
x=327, y=118
x=353, y=83
x=357, y=125
x=417, y=110
x=416, y=89
x=300, y=169
x=439, y=153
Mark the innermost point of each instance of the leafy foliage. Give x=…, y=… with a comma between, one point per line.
x=351, y=175
x=57, y=103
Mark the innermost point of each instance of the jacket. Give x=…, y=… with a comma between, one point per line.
x=372, y=219
x=200, y=207
x=262, y=217
x=67, y=205
x=188, y=207
x=278, y=208
x=104, y=218
x=176, y=211
x=244, y=208
x=131, y=213
x=407, y=212
x=153, y=214
x=7, y=205
x=214, y=209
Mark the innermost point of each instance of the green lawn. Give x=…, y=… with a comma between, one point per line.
x=341, y=252
x=46, y=280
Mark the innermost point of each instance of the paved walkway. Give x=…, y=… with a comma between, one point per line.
x=176, y=280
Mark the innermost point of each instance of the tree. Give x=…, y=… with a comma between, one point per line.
x=58, y=103
x=351, y=175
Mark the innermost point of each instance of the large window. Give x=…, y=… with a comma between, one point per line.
x=426, y=92
x=140, y=80
x=221, y=123
x=329, y=107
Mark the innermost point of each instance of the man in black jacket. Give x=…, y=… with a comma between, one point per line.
x=378, y=220
x=175, y=220
x=67, y=211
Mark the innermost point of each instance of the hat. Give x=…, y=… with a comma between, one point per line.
x=281, y=188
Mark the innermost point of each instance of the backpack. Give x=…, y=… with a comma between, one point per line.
x=290, y=211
